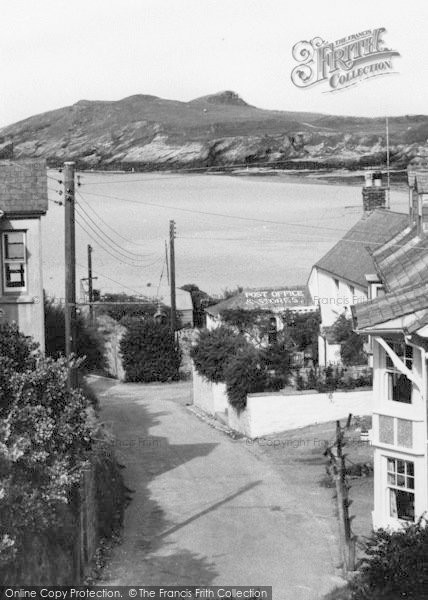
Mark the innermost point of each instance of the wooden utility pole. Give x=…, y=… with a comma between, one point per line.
x=338, y=471
x=90, y=292
x=70, y=267
x=172, y=274
x=388, y=176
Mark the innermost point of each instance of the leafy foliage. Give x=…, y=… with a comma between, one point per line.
x=225, y=356
x=352, y=344
x=328, y=379
x=244, y=373
x=48, y=434
x=149, y=352
x=45, y=436
x=396, y=565
x=303, y=330
x=214, y=349
x=89, y=343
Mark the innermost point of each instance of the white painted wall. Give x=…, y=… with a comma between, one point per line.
x=266, y=414
x=333, y=299
x=26, y=308
x=271, y=413
x=209, y=397
x=416, y=412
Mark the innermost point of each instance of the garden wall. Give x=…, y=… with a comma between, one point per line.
x=209, y=397
x=274, y=412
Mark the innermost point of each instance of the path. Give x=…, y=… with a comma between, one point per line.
x=206, y=510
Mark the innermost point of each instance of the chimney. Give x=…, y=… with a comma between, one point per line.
x=374, y=193
x=419, y=208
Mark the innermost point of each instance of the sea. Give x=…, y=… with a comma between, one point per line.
x=231, y=230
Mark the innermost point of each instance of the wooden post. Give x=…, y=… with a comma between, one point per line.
x=90, y=290
x=172, y=275
x=70, y=267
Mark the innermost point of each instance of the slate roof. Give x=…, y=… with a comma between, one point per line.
x=351, y=258
x=411, y=301
x=23, y=187
x=240, y=301
x=403, y=261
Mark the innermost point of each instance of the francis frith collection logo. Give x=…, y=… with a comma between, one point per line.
x=342, y=63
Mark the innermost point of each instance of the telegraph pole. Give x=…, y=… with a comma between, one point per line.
x=70, y=267
x=388, y=191
x=172, y=275
x=90, y=293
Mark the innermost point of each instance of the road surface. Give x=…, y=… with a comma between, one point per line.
x=206, y=510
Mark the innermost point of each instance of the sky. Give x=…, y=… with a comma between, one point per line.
x=56, y=52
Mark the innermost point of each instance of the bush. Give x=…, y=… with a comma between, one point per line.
x=89, y=343
x=396, y=565
x=45, y=436
x=149, y=352
x=214, y=349
x=245, y=373
x=17, y=353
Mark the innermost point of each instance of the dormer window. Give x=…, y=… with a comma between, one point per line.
x=14, y=261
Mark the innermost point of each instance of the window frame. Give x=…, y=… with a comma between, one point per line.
x=407, y=475
x=14, y=261
x=391, y=370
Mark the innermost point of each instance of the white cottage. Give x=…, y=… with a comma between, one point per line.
x=346, y=275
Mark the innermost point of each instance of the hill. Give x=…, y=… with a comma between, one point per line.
x=148, y=132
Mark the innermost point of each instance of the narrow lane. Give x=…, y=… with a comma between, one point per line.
x=205, y=510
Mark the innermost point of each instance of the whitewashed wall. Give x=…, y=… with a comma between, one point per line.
x=209, y=397
x=266, y=414
x=271, y=413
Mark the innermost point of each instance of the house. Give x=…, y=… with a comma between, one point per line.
x=183, y=304
x=23, y=201
x=275, y=300
x=346, y=274
x=398, y=326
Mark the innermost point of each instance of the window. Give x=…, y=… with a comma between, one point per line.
x=401, y=486
x=14, y=261
x=399, y=387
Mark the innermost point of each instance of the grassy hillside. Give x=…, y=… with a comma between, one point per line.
x=219, y=129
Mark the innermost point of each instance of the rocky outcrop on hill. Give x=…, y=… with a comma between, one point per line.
x=219, y=130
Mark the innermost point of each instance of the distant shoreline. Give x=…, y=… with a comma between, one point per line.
x=328, y=176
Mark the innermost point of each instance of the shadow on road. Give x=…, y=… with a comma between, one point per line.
x=146, y=555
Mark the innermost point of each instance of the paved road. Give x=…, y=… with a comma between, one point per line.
x=206, y=510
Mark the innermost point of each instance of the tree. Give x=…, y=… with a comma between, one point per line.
x=214, y=349
x=352, y=344
x=89, y=343
x=149, y=352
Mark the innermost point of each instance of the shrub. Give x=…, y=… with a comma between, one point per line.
x=45, y=437
x=149, y=352
x=214, y=349
x=89, y=343
x=245, y=373
x=396, y=565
